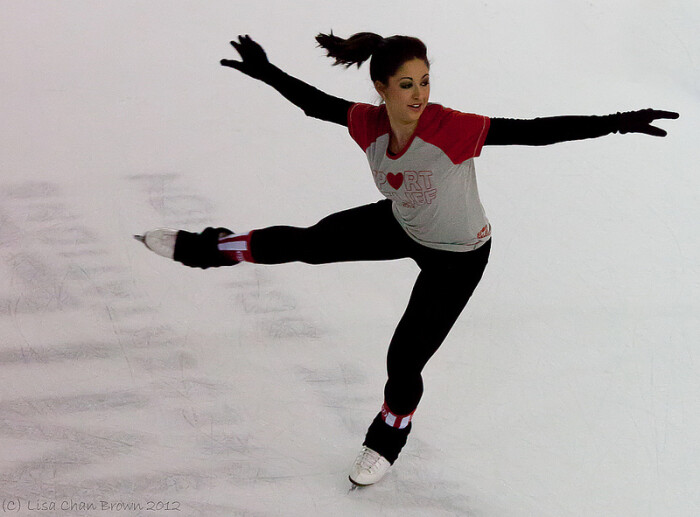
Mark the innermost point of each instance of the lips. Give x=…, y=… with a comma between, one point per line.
x=415, y=107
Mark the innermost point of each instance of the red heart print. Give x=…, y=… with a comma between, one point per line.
x=395, y=180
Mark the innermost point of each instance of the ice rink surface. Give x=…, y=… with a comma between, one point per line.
x=134, y=386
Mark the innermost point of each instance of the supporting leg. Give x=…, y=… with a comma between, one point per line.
x=441, y=292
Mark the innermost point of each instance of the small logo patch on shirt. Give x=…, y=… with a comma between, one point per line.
x=485, y=232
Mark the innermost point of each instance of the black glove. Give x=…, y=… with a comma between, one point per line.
x=640, y=121
x=253, y=58
x=202, y=249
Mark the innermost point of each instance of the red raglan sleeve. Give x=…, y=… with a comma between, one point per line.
x=363, y=122
x=460, y=135
x=470, y=131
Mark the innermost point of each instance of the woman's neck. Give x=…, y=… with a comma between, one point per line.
x=401, y=134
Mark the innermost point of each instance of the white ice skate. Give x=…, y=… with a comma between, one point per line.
x=369, y=467
x=160, y=241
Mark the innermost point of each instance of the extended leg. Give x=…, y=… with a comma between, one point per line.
x=368, y=232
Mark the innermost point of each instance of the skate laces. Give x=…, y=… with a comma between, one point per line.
x=368, y=459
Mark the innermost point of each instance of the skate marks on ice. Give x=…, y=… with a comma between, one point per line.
x=413, y=495
x=59, y=285
x=273, y=315
x=341, y=388
x=24, y=208
x=91, y=374
x=173, y=201
x=53, y=262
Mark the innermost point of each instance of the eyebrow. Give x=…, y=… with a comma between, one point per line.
x=411, y=78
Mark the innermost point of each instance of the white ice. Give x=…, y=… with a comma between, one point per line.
x=569, y=387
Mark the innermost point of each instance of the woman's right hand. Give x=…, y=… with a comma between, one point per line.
x=253, y=58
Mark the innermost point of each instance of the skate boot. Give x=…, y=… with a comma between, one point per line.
x=369, y=467
x=191, y=249
x=160, y=241
x=381, y=448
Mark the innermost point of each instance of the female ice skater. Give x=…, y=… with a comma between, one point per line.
x=422, y=159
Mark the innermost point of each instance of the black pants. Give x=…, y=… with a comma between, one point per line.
x=446, y=282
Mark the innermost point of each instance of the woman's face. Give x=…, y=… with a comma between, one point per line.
x=407, y=92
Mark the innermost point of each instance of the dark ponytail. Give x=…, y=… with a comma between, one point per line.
x=352, y=51
x=388, y=54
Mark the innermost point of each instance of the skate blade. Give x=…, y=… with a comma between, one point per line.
x=160, y=241
x=355, y=486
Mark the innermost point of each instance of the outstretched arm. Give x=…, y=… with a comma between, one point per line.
x=312, y=101
x=551, y=130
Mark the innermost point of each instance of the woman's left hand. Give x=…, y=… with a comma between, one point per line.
x=640, y=121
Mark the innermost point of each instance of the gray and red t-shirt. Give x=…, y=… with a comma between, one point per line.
x=432, y=181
